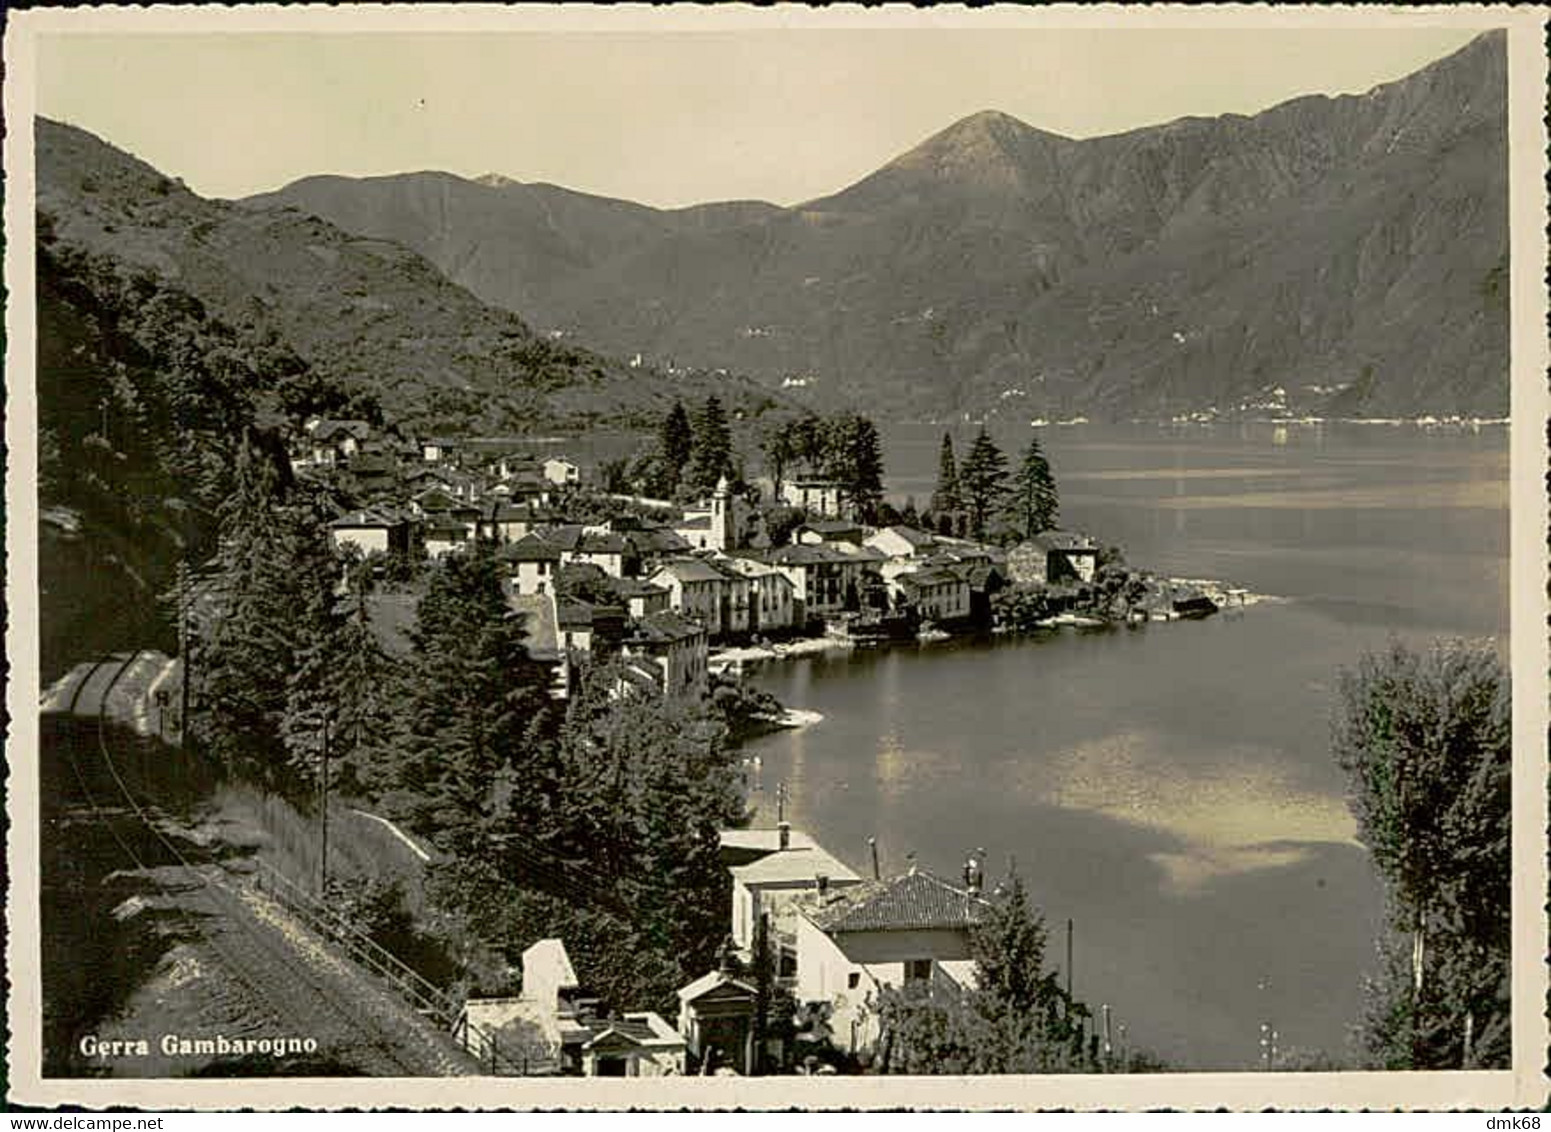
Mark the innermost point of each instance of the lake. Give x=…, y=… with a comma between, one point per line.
x=1169, y=787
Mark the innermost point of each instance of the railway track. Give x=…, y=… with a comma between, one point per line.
x=281, y=979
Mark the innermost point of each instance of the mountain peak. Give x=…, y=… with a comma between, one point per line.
x=989, y=149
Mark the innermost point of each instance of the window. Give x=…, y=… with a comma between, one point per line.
x=918, y=970
x=854, y=980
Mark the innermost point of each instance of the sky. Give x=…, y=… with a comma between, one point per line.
x=666, y=118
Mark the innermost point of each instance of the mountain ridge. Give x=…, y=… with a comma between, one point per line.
x=366, y=313
x=999, y=267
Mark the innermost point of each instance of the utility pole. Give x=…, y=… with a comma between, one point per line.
x=1109, y=1047
x=1068, y=963
x=780, y=802
x=872, y=844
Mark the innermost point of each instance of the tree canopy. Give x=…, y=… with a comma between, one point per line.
x=1035, y=503
x=1424, y=736
x=946, y=499
x=983, y=481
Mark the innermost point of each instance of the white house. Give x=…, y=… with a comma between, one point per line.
x=673, y=650
x=769, y=886
x=824, y=579
x=559, y=470
x=526, y=1035
x=641, y=598
x=533, y=562
x=368, y=531
x=443, y=536
x=901, y=542
x=851, y=943
x=940, y=594
x=694, y=590
x=772, y=596
x=815, y=496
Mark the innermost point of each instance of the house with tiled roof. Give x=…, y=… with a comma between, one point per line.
x=853, y=942
x=558, y=470
x=941, y=594
x=532, y=563
x=771, y=885
x=370, y=532
x=443, y=535
x=331, y=441
x=604, y=549
x=672, y=649
x=1054, y=556
x=505, y=521
x=640, y=597
x=817, y=531
x=825, y=579
x=815, y=496
x=772, y=596
x=901, y=542
x=694, y=590
x=590, y=630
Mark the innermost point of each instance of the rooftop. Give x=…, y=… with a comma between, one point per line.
x=762, y=840
x=1065, y=540
x=796, y=864
x=530, y=548
x=358, y=520
x=809, y=555
x=920, y=540
x=916, y=901
x=691, y=570
x=667, y=627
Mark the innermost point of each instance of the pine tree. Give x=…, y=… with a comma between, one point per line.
x=855, y=461
x=476, y=707
x=713, y=447
x=275, y=572
x=1035, y=503
x=983, y=481
x=946, y=499
x=676, y=443
x=779, y=452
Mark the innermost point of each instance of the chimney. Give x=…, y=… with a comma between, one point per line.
x=872, y=843
x=911, y=857
x=822, y=880
x=974, y=875
x=785, y=834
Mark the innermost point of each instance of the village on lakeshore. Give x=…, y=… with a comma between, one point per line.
x=660, y=580
x=682, y=588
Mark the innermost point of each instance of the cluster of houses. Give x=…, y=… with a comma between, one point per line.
x=837, y=938
x=655, y=585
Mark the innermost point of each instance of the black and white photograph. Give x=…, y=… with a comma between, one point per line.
x=864, y=557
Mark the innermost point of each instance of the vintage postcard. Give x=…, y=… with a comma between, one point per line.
x=845, y=557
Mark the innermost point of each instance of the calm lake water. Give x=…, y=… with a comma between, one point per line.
x=1170, y=788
